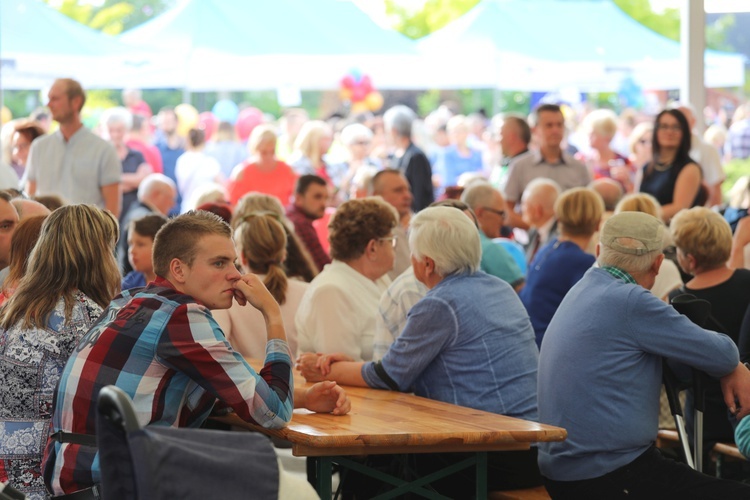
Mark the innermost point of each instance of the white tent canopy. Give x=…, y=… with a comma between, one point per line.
x=534, y=45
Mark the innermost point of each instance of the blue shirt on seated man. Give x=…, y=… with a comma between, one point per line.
x=600, y=372
x=468, y=342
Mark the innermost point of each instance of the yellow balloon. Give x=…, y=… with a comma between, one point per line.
x=359, y=107
x=5, y=116
x=188, y=118
x=374, y=101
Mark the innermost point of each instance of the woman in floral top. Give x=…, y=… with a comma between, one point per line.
x=72, y=275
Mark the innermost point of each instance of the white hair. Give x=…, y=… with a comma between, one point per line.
x=153, y=182
x=118, y=115
x=354, y=132
x=363, y=179
x=448, y=237
x=478, y=194
x=399, y=119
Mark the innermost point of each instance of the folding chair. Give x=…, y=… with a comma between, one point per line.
x=157, y=462
x=7, y=492
x=698, y=311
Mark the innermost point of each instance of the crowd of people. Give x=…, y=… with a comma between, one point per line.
x=517, y=265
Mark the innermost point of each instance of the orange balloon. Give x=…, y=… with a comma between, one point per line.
x=374, y=101
x=345, y=94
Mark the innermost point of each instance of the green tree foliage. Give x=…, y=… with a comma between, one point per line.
x=113, y=16
x=433, y=15
x=667, y=23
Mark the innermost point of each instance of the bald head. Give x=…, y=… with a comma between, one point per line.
x=538, y=201
x=29, y=208
x=687, y=110
x=610, y=190
x=158, y=191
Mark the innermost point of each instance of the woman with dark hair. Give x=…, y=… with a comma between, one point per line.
x=672, y=177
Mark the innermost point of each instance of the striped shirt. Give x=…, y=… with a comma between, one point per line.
x=169, y=355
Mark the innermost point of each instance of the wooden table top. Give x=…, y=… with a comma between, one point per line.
x=393, y=422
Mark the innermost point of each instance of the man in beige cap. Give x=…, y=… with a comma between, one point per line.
x=600, y=375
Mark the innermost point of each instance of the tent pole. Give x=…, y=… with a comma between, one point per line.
x=693, y=47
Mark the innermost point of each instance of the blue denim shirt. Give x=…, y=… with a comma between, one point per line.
x=468, y=342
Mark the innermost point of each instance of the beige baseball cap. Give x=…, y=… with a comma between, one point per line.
x=639, y=226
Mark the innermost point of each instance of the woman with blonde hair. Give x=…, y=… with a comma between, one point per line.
x=261, y=243
x=72, y=275
x=262, y=171
x=704, y=241
x=313, y=142
x=559, y=264
x=603, y=161
x=298, y=262
x=669, y=278
x=639, y=143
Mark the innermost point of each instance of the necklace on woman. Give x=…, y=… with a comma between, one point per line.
x=662, y=167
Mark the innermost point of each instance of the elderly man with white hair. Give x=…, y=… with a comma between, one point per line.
x=600, y=371
x=456, y=347
x=156, y=195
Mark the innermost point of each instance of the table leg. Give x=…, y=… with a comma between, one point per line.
x=481, y=466
x=323, y=476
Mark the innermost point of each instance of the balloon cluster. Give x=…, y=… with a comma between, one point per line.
x=223, y=111
x=357, y=89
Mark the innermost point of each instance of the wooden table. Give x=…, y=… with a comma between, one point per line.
x=385, y=422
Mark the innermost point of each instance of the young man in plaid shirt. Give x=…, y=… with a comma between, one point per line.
x=161, y=345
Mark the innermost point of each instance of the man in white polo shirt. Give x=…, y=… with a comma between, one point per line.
x=73, y=162
x=550, y=161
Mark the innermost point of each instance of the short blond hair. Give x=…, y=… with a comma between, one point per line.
x=261, y=134
x=307, y=143
x=639, y=202
x=579, y=211
x=601, y=121
x=704, y=234
x=643, y=130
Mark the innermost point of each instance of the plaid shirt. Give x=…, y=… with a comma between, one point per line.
x=170, y=356
x=306, y=232
x=738, y=140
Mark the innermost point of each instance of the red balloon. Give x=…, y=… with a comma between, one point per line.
x=208, y=123
x=247, y=120
x=366, y=83
x=359, y=94
x=348, y=82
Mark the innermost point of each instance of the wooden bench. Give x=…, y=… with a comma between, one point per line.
x=538, y=493
x=721, y=451
x=667, y=438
